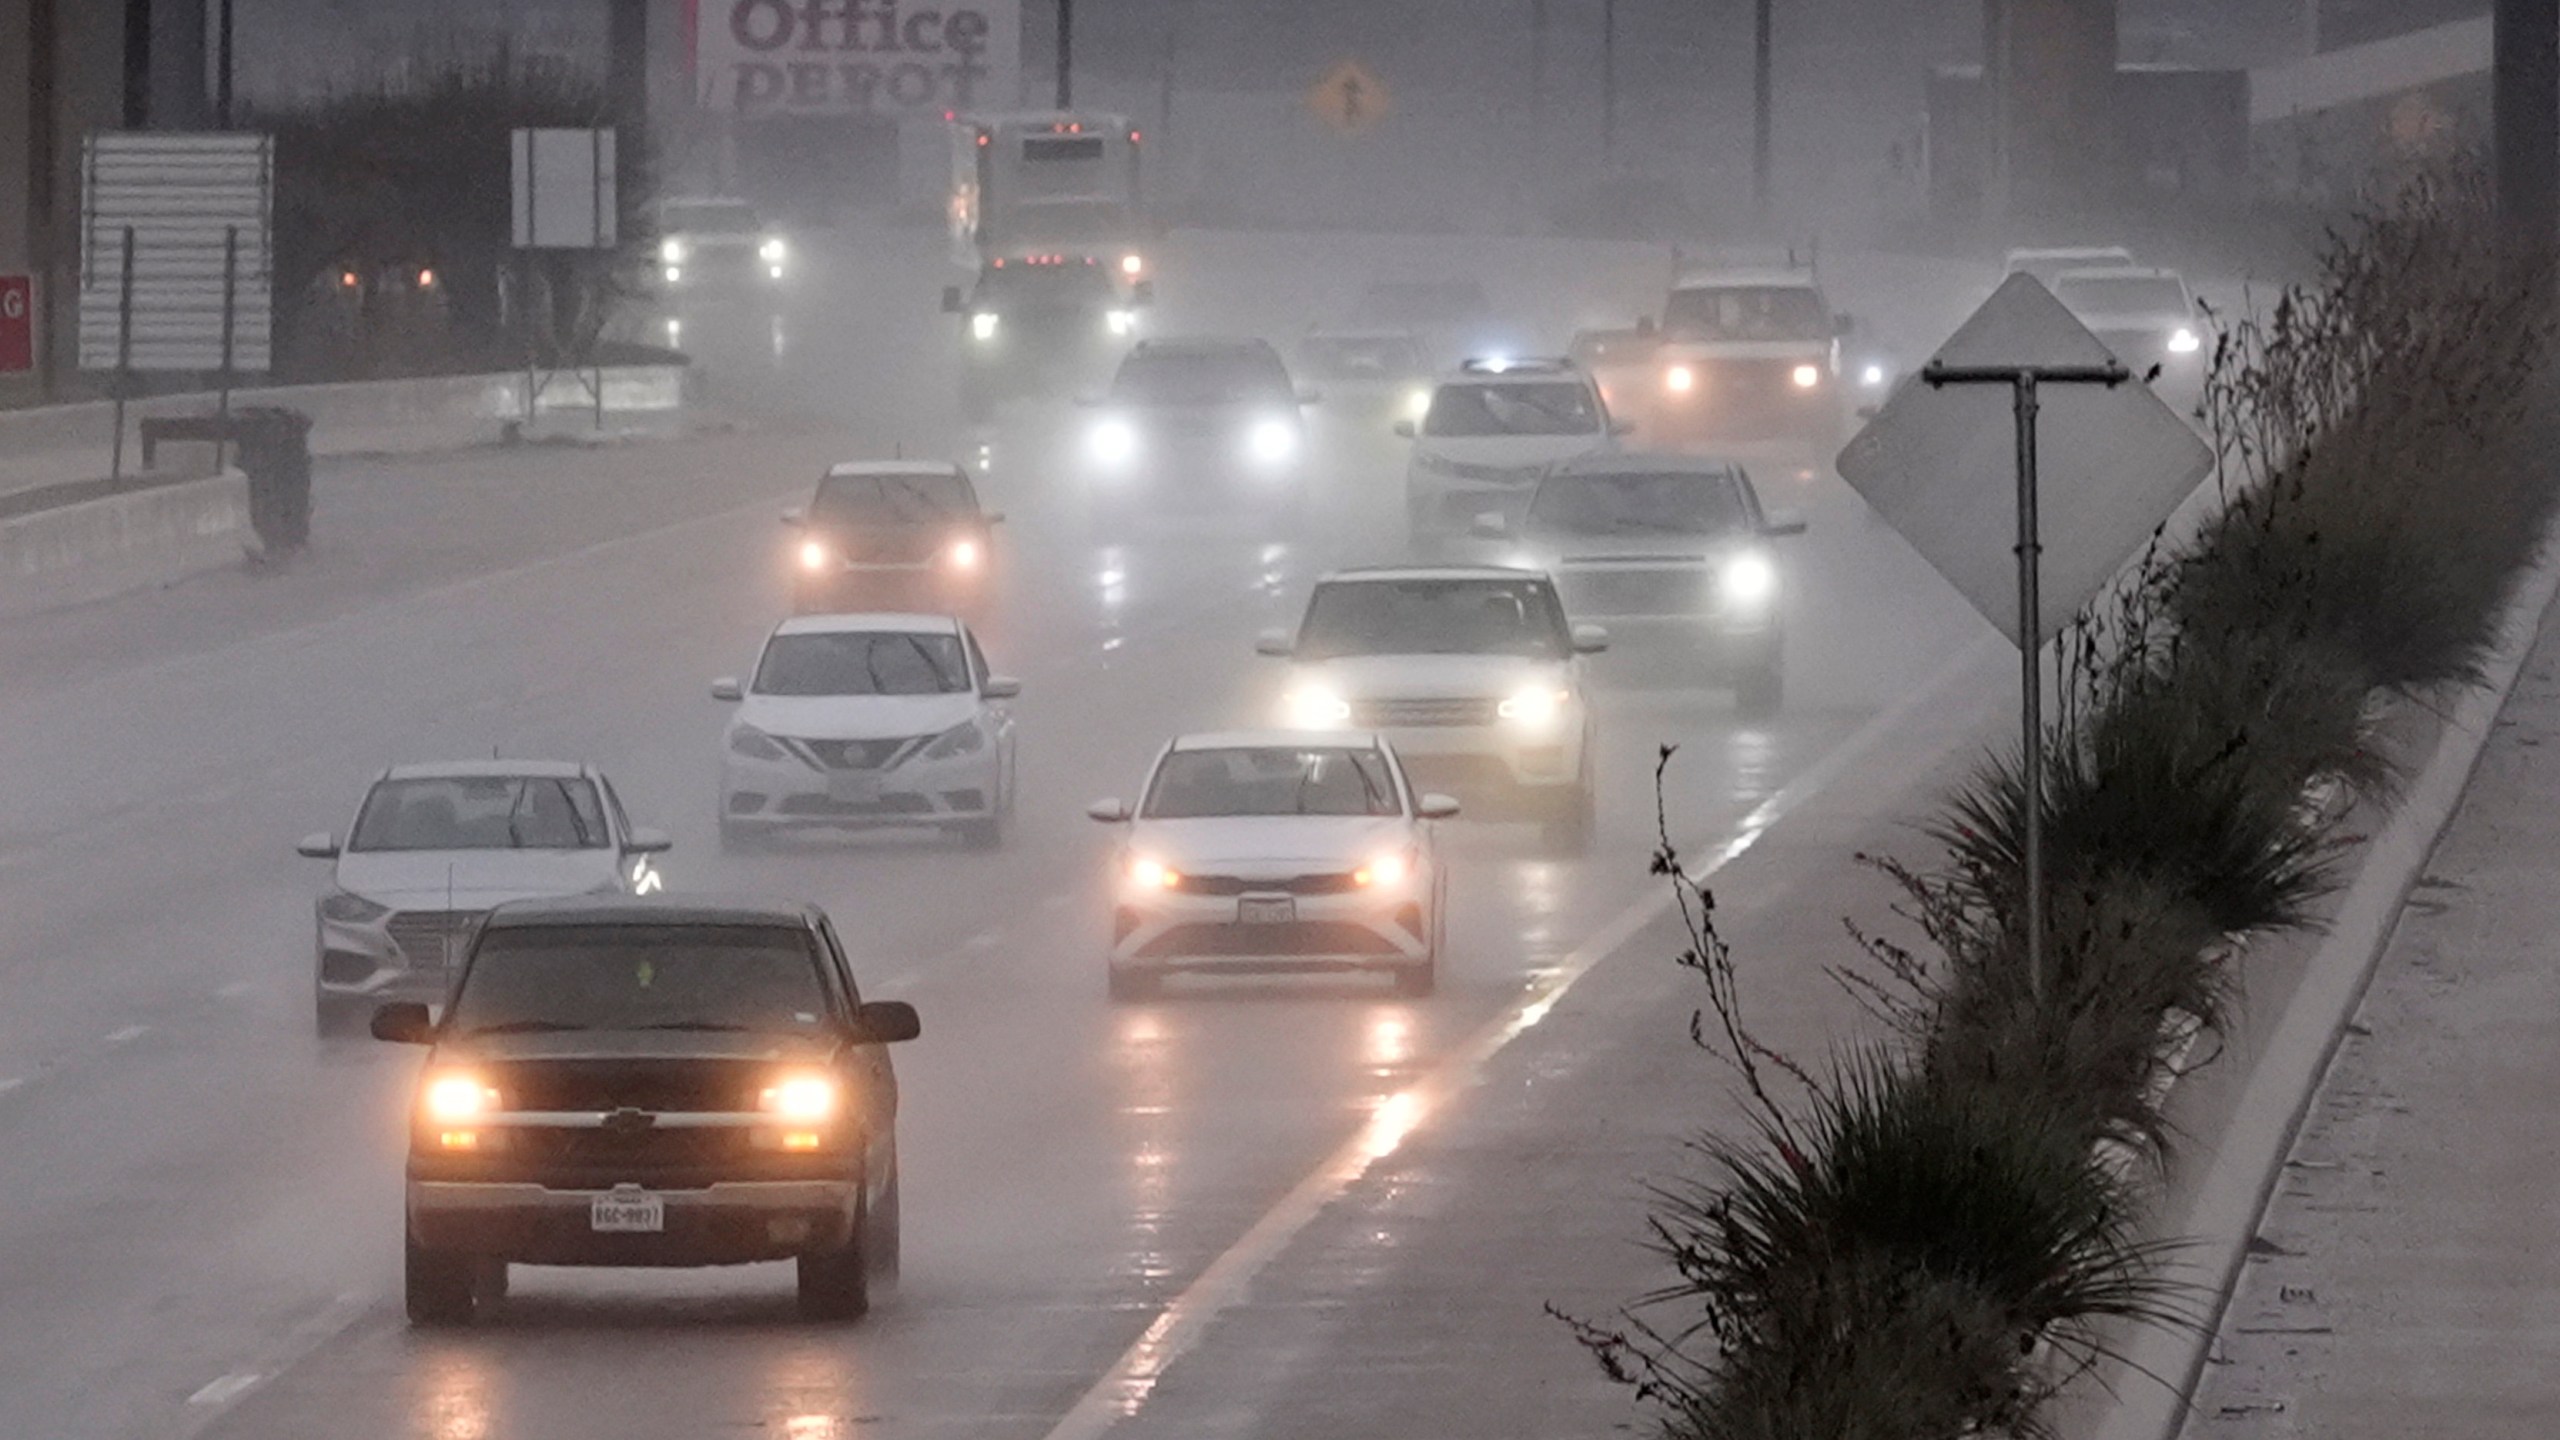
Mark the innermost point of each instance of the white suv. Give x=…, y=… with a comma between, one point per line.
x=1491, y=429
x=1471, y=672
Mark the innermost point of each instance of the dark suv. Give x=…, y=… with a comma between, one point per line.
x=894, y=535
x=652, y=1081
x=1198, y=425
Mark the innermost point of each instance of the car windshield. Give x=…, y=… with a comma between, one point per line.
x=925, y=498
x=1434, y=617
x=481, y=812
x=640, y=977
x=1423, y=302
x=1271, y=780
x=2048, y=267
x=1522, y=407
x=1356, y=357
x=869, y=662
x=1747, y=312
x=1033, y=286
x=1664, y=502
x=2123, y=295
x=708, y=217
x=1201, y=378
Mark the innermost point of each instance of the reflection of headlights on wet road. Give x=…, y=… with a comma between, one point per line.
x=1748, y=582
x=1806, y=376
x=1679, y=379
x=1121, y=322
x=1112, y=441
x=2183, y=341
x=1271, y=441
x=1313, y=707
x=982, y=326
x=1536, y=708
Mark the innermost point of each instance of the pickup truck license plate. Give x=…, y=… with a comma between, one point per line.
x=1266, y=910
x=627, y=1212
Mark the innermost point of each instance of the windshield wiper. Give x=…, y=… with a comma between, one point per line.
x=528, y=1027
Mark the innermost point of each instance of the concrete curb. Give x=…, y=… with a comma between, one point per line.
x=96, y=549
x=2164, y=1365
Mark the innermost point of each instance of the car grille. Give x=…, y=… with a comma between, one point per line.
x=543, y=1145
x=1298, y=937
x=1597, y=592
x=1329, y=884
x=434, y=939
x=822, y=807
x=1493, y=474
x=859, y=754
x=1389, y=714
x=654, y=1085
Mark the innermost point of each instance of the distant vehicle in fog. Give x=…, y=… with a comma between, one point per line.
x=1041, y=325
x=1491, y=428
x=712, y=245
x=656, y=1083
x=2047, y=263
x=1449, y=316
x=2145, y=317
x=894, y=535
x=1750, y=350
x=1062, y=183
x=1198, y=425
x=1473, y=672
x=1276, y=852
x=434, y=848
x=1668, y=547
x=868, y=721
x=1368, y=370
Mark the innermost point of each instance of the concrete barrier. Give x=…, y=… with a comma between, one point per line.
x=72, y=554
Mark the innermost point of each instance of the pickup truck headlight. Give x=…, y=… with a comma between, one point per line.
x=800, y=1099
x=1748, y=581
x=455, y=1097
x=348, y=908
x=1538, y=707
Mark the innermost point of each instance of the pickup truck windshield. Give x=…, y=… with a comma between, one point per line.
x=640, y=977
x=1746, y=313
x=1434, y=617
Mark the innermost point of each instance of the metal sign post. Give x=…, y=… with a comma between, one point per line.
x=230, y=331
x=124, y=353
x=2022, y=382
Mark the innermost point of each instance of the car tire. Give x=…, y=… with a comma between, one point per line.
x=836, y=1284
x=880, y=1248
x=1130, y=982
x=439, y=1287
x=1760, y=692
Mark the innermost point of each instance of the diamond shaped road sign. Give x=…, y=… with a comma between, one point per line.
x=1940, y=463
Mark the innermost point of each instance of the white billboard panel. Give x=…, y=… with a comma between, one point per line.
x=908, y=59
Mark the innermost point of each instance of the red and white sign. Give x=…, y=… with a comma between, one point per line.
x=17, y=324
x=914, y=59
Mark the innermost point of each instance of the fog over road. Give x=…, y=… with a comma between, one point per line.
x=200, y=1232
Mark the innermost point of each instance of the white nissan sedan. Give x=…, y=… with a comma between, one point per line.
x=864, y=721
x=1276, y=852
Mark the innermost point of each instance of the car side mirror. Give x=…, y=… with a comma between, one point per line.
x=1274, y=643
x=405, y=1022
x=644, y=841
x=1489, y=526
x=1404, y=429
x=953, y=302
x=1000, y=687
x=727, y=688
x=1589, y=639
x=795, y=517
x=885, y=1022
x=1109, y=812
x=1437, y=807
x=318, y=845
x=1779, y=523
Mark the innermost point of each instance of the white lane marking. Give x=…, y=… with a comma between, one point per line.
x=11, y=1082
x=984, y=940
x=126, y=1035
x=1123, y=1389
x=226, y=1389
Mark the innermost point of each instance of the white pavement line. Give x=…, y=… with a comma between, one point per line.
x=2231, y=1202
x=1123, y=1390
x=226, y=1389
x=984, y=940
x=126, y=1035
x=11, y=1082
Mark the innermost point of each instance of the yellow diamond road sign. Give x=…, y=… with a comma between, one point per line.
x=1350, y=97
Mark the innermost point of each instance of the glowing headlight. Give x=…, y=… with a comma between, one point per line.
x=671, y=251
x=1148, y=873
x=1113, y=441
x=773, y=251
x=1271, y=441
x=802, y=1098
x=675, y=273
x=982, y=326
x=1417, y=404
x=965, y=554
x=1538, y=707
x=1679, y=379
x=456, y=1096
x=1748, y=581
x=1806, y=376
x=1132, y=264
x=1385, y=872
x=1121, y=322
x=1315, y=708
x=1872, y=376
x=2183, y=341
x=813, y=555
x=753, y=743
x=349, y=909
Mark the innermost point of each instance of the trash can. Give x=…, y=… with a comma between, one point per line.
x=275, y=453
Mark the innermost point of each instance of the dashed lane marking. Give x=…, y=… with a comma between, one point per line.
x=127, y=1034
x=226, y=1389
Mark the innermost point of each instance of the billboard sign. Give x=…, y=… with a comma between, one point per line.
x=175, y=256
x=909, y=59
x=564, y=189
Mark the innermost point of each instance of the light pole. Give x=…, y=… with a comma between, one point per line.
x=1608, y=79
x=1066, y=54
x=222, y=65
x=2524, y=77
x=1760, y=58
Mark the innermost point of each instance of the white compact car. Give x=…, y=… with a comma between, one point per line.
x=1261, y=852
x=434, y=848
x=1489, y=431
x=2146, y=316
x=1472, y=672
x=864, y=721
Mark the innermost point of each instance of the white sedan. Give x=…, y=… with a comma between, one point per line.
x=1273, y=852
x=865, y=721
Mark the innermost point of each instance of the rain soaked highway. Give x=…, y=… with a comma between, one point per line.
x=200, y=1233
